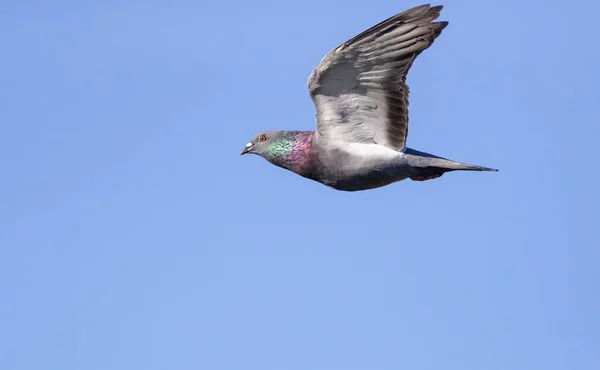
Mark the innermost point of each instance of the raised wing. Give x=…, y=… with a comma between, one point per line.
x=359, y=88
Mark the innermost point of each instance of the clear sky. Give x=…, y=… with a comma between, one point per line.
x=134, y=236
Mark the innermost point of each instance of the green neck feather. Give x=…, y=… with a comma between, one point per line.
x=280, y=149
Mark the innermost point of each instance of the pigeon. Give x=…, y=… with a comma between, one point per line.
x=360, y=96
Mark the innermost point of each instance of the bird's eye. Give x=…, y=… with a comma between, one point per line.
x=262, y=138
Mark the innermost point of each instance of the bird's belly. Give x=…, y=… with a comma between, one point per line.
x=367, y=181
x=354, y=167
x=371, y=178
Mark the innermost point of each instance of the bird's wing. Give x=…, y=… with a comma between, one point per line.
x=359, y=88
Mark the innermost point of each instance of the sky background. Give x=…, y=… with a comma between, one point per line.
x=134, y=236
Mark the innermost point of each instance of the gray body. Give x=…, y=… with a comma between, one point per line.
x=361, y=100
x=349, y=171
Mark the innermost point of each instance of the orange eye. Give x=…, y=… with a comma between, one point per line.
x=262, y=138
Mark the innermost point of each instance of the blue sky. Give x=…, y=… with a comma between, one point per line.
x=134, y=236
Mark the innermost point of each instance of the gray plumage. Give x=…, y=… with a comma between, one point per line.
x=361, y=100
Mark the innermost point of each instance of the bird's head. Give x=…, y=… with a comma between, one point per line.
x=267, y=144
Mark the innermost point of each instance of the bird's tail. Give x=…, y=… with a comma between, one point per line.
x=430, y=164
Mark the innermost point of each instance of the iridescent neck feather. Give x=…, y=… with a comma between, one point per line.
x=291, y=151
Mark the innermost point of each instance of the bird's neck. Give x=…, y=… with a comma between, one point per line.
x=292, y=151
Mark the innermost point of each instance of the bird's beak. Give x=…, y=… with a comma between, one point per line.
x=246, y=149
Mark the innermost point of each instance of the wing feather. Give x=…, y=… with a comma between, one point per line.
x=359, y=88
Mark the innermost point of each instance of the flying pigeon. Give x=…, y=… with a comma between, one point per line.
x=360, y=96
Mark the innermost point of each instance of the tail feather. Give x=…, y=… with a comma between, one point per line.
x=449, y=165
x=431, y=164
